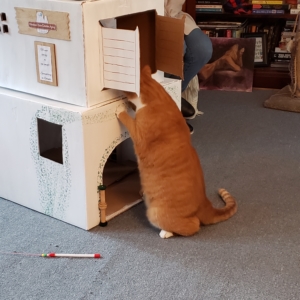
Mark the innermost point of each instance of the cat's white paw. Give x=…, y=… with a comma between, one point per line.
x=120, y=108
x=165, y=234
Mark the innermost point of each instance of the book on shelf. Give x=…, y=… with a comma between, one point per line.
x=221, y=24
x=268, y=2
x=290, y=23
x=210, y=2
x=269, y=37
x=292, y=2
x=228, y=33
x=280, y=64
x=287, y=34
x=208, y=10
x=252, y=27
x=287, y=29
x=223, y=28
x=280, y=56
x=219, y=28
x=274, y=39
x=278, y=49
x=268, y=11
x=294, y=11
x=209, y=6
x=236, y=33
x=285, y=7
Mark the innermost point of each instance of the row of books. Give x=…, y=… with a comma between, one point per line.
x=293, y=3
x=229, y=33
x=277, y=36
x=280, y=56
x=223, y=28
x=254, y=7
x=249, y=2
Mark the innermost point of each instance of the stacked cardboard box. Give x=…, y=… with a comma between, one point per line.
x=64, y=65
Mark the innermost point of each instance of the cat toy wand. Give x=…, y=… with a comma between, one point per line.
x=52, y=254
x=96, y=255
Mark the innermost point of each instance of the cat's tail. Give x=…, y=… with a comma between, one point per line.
x=217, y=215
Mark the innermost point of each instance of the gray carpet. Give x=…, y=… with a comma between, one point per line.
x=252, y=151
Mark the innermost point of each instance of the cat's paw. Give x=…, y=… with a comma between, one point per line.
x=120, y=108
x=165, y=234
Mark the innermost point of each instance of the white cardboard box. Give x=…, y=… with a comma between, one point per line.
x=52, y=156
x=57, y=48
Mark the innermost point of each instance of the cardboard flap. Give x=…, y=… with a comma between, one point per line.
x=169, y=45
x=121, y=59
x=145, y=21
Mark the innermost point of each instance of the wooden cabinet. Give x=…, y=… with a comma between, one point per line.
x=264, y=77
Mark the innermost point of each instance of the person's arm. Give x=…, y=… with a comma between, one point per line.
x=173, y=8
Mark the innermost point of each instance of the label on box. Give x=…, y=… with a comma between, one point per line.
x=43, y=23
x=45, y=63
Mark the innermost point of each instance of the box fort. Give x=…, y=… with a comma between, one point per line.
x=64, y=51
x=54, y=156
x=60, y=138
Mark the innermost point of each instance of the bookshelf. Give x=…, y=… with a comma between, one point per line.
x=263, y=77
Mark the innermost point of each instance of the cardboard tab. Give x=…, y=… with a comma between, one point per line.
x=145, y=21
x=161, y=40
x=169, y=45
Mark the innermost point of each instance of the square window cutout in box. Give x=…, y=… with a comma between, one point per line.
x=50, y=140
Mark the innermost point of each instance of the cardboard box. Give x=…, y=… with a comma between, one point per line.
x=61, y=49
x=53, y=157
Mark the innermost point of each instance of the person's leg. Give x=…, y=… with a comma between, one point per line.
x=198, y=53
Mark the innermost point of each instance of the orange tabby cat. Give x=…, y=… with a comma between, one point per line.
x=170, y=171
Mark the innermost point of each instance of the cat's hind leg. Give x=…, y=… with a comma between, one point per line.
x=186, y=226
x=165, y=234
x=172, y=224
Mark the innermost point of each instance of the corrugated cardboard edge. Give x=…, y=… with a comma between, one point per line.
x=169, y=45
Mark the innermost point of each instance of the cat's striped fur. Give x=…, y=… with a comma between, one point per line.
x=170, y=171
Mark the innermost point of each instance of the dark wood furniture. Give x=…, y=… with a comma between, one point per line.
x=263, y=77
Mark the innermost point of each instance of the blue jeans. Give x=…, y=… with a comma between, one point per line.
x=197, y=52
